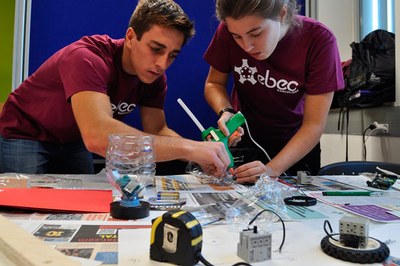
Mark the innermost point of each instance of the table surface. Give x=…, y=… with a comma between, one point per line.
x=302, y=244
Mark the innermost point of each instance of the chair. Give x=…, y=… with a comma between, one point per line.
x=357, y=167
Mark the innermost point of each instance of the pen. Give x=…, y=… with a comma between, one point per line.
x=350, y=193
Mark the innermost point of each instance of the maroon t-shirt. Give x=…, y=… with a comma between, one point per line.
x=40, y=109
x=270, y=93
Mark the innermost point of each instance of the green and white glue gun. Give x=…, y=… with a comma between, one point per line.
x=216, y=134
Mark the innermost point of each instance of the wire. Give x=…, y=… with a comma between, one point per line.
x=283, y=226
x=375, y=129
x=258, y=145
x=343, y=124
x=207, y=263
x=296, y=185
x=204, y=261
x=364, y=142
x=347, y=132
x=299, y=189
x=365, y=139
x=330, y=235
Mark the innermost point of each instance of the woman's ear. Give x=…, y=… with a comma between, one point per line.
x=283, y=13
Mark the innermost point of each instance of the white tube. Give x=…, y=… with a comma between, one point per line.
x=191, y=115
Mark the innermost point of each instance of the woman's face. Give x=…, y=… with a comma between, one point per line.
x=256, y=35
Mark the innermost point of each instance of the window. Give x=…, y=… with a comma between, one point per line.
x=376, y=14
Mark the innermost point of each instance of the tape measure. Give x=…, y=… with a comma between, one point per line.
x=176, y=237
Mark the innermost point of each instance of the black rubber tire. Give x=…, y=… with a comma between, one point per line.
x=118, y=211
x=375, y=252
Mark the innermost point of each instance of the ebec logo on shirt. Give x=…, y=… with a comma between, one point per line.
x=251, y=75
x=122, y=108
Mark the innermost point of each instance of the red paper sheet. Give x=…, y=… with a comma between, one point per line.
x=76, y=200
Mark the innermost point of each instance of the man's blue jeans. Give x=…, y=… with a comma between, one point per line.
x=35, y=157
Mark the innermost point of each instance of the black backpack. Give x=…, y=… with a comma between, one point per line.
x=370, y=74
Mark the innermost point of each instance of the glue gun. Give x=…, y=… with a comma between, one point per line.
x=233, y=123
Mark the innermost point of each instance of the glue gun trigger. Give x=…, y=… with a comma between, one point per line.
x=235, y=135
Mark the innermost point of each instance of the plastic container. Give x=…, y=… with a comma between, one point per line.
x=130, y=167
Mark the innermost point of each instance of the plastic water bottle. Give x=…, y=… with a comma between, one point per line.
x=130, y=165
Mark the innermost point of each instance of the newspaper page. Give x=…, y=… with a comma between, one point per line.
x=191, y=183
x=87, y=241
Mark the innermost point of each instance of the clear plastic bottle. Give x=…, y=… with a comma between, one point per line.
x=130, y=165
x=265, y=194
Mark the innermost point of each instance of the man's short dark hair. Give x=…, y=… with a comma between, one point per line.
x=164, y=13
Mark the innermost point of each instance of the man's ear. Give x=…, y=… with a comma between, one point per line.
x=130, y=35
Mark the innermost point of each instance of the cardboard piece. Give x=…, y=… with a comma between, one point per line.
x=18, y=247
x=75, y=200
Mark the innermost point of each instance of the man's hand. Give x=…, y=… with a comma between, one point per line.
x=211, y=156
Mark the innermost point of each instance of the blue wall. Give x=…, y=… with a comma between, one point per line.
x=55, y=24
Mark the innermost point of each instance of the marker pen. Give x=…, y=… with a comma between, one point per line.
x=351, y=193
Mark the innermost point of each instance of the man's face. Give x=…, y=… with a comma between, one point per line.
x=150, y=57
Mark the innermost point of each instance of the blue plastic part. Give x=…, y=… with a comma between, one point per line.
x=132, y=202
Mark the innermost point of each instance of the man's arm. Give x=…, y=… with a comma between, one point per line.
x=93, y=114
x=153, y=122
x=92, y=111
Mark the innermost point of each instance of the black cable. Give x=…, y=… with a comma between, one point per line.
x=365, y=141
x=204, y=261
x=339, y=124
x=347, y=132
x=207, y=263
x=299, y=189
x=330, y=235
x=283, y=225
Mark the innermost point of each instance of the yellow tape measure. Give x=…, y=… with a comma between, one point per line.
x=176, y=237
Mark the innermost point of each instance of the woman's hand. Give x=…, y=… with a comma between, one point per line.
x=250, y=172
x=234, y=137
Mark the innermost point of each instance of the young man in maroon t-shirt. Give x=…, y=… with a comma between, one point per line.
x=78, y=97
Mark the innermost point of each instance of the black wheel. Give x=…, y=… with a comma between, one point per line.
x=375, y=251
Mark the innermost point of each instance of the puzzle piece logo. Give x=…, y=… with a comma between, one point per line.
x=246, y=72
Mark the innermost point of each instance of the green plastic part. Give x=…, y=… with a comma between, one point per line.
x=216, y=135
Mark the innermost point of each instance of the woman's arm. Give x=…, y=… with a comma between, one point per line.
x=215, y=90
x=316, y=110
x=217, y=97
